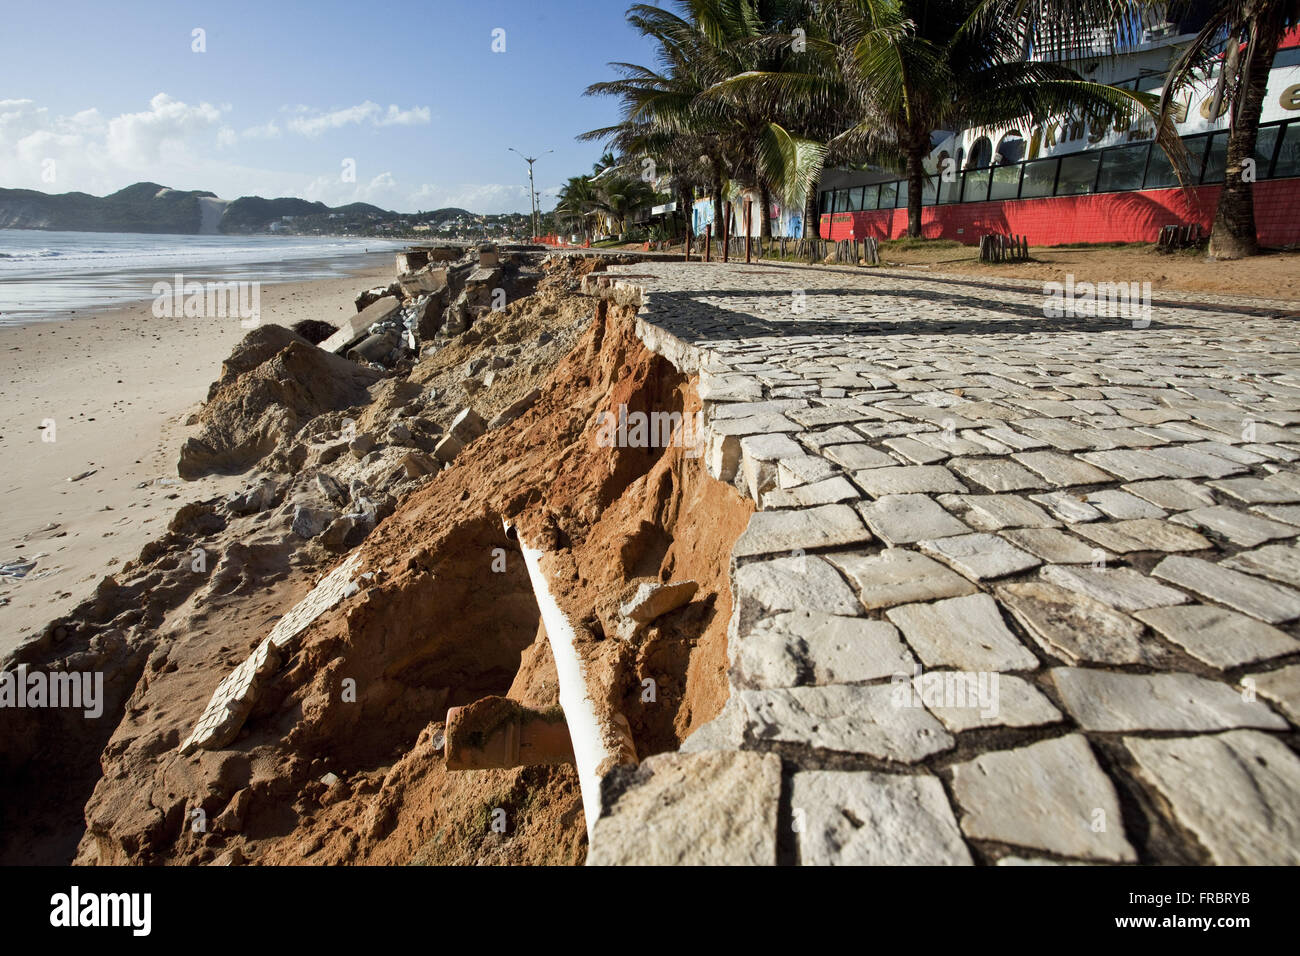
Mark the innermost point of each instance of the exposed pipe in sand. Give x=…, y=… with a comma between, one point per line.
x=596, y=741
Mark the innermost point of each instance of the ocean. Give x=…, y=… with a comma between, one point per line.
x=47, y=276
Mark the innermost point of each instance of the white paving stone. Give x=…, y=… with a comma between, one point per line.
x=773, y=532
x=1217, y=636
x=1121, y=588
x=1055, y=547
x=1282, y=687
x=980, y=556
x=714, y=808
x=1045, y=796
x=1238, y=792
x=1141, y=534
x=899, y=576
x=875, y=819
x=808, y=647
x=1060, y=470
x=847, y=719
x=1254, y=596
x=907, y=479
x=962, y=702
x=1073, y=626
x=904, y=519
x=1109, y=702
x=1238, y=527
x=966, y=633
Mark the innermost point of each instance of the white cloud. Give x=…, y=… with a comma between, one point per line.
x=381, y=190
x=267, y=130
x=478, y=197
x=310, y=122
x=415, y=116
x=140, y=138
x=205, y=146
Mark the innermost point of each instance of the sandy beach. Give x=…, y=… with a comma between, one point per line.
x=118, y=386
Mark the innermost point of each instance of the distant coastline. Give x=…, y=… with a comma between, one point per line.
x=48, y=276
x=152, y=208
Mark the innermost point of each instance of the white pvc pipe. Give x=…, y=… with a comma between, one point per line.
x=590, y=750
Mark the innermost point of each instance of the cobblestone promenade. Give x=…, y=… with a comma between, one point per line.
x=1020, y=590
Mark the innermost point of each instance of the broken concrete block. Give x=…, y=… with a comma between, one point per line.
x=422, y=283
x=411, y=260
x=760, y=455
x=369, y=296
x=261, y=496
x=644, y=601
x=467, y=426
x=416, y=464
x=487, y=257
x=309, y=522
x=331, y=489
x=361, y=446
x=722, y=456
x=358, y=326
x=448, y=448
x=342, y=532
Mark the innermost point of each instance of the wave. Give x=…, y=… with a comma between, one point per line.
x=33, y=254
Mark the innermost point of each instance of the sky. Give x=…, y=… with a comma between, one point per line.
x=406, y=105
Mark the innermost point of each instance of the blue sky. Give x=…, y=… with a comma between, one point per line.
x=95, y=96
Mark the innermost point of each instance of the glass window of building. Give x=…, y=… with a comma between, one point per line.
x=1122, y=168
x=977, y=186
x=1078, y=174
x=1264, y=144
x=950, y=191
x=1216, y=158
x=1160, y=172
x=1040, y=176
x=1288, y=160
x=888, y=195
x=1006, y=182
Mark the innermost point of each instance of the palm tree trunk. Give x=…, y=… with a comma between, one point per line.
x=915, y=183
x=684, y=207
x=811, y=225
x=1233, y=234
x=764, y=220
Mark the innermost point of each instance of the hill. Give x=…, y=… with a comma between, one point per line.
x=143, y=207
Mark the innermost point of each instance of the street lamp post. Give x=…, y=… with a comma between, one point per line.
x=532, y=193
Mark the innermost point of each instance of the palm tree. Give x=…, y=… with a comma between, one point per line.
x=908, y=67
x=619, y=195
x=576, y=202
x=660, y=117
